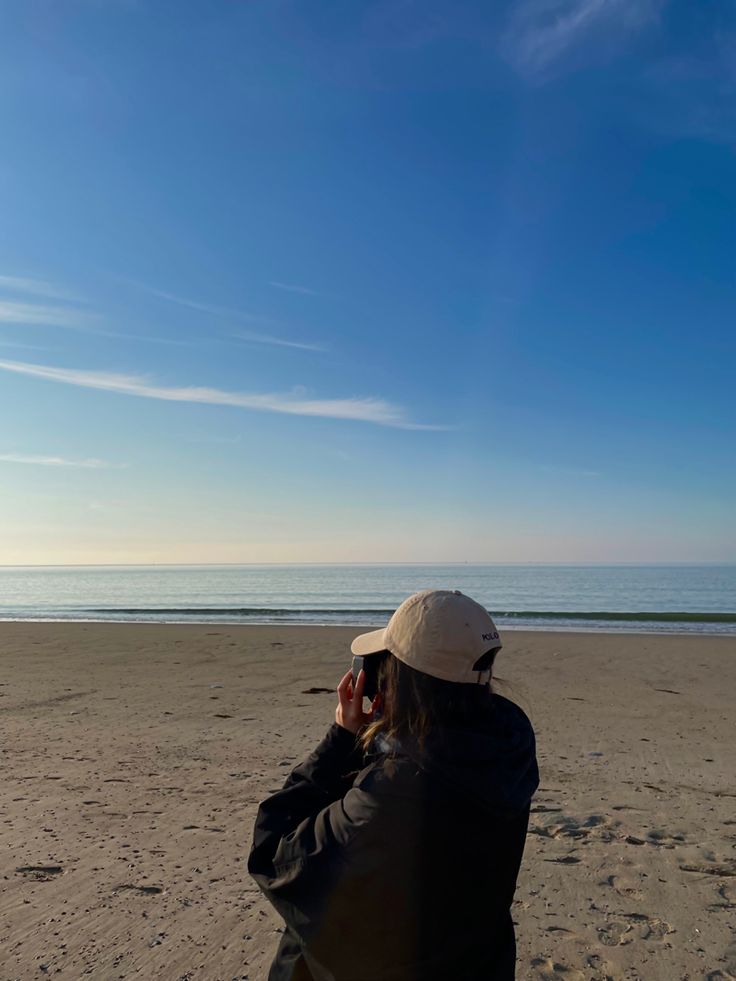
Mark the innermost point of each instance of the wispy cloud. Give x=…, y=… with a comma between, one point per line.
x=255, y=337
x=25, y=347
x=278, y=341
x=17, y=312
x=57, y=461
x=373, y=410
x=14, y=311
x=119, y=335
x=209, y=308
x=541, y=32
x=34, y=287
x=290, y=288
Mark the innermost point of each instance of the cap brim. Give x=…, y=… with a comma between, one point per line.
x=371, y=643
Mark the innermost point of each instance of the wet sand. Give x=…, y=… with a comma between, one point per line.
x=133, y=758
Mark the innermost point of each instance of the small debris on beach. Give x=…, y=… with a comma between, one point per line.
x=41, y=872
x=143, y=890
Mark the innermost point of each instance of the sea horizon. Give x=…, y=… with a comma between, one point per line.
x=408, y=564
x=693, y=598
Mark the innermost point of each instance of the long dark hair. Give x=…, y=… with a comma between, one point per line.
x=416, y=706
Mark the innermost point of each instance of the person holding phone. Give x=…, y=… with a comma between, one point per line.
x=392, y=852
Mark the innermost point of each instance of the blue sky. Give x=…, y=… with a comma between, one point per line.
x=379, y=281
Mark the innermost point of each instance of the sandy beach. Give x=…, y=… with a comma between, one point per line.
x=134, y=756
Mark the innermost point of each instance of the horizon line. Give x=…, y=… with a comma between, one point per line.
x=460, y=563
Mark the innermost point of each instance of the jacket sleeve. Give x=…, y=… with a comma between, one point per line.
x=305, y=833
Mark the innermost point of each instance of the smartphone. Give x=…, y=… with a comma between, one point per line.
x=369, y=663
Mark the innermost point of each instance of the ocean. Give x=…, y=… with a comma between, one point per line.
x=660, y=598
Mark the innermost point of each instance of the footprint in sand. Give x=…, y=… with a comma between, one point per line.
x=650, y=927
x=603, y=968
x=614, y=934
x=545, y=969
x=727, y=897
x=625, y=886
x=597, y=826
x=664, y=839
x=724, y=869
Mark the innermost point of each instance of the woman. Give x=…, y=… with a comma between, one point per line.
x=392, y=852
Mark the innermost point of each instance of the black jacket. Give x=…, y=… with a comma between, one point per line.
x=392, y=869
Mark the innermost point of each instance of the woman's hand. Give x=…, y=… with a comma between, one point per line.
x=349, y=712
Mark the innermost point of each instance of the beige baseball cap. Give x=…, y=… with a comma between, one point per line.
x=441, y=632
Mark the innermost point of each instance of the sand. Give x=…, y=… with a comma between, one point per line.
x=133, y=758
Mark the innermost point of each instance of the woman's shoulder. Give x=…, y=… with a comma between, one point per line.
x=388, y=776
x=506, y=710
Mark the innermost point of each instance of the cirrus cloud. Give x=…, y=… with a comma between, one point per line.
x=33, y=459
x=373, y=410
x=541, y=32
x=18, y=312
x=34, y=287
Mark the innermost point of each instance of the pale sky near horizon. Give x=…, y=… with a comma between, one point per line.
x=367, y=281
